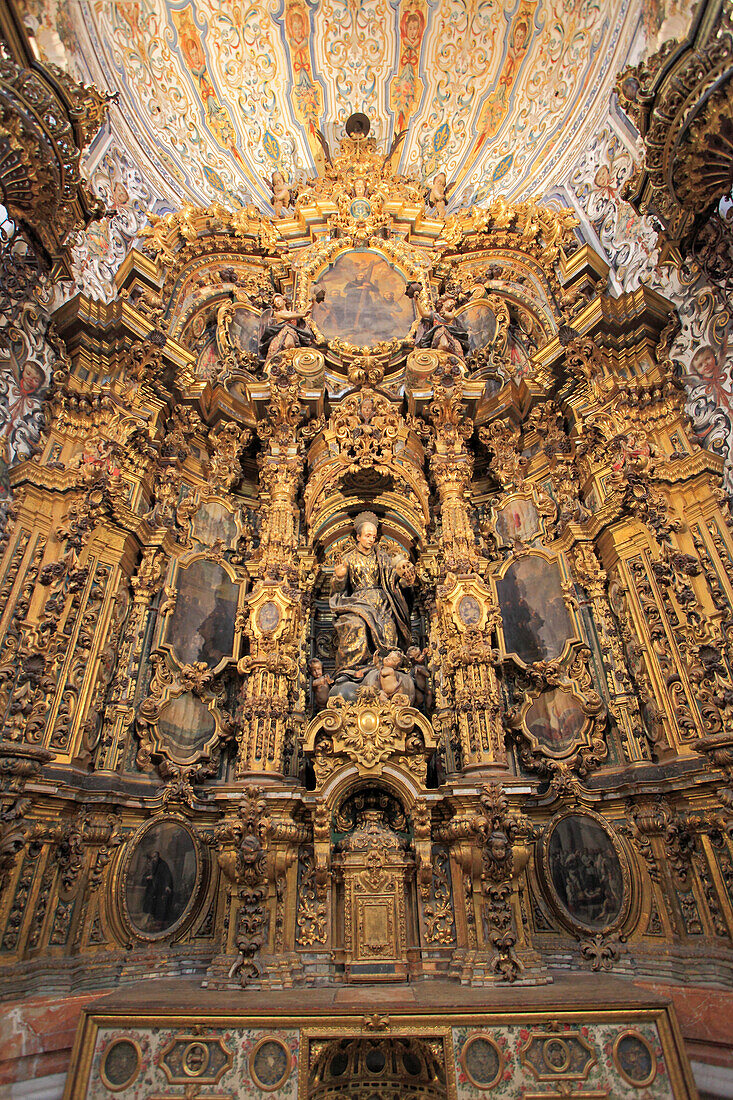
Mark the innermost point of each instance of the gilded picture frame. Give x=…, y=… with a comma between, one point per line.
x=537, y=620
x=597, y=863
x=159, y=900
x=199, y=622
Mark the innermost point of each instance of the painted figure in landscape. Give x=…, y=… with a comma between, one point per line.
x=185, y=725
x=555, y=719
x=161, y=877
x=479, y=320
x=535, y=618
x=201, y=627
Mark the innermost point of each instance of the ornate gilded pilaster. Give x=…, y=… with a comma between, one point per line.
x=271, y=702
x=468, y=702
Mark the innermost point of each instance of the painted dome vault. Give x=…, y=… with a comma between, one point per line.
x=215, y=97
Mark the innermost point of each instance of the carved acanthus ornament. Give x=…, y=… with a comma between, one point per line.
x=680, y=101
x=369, y=733
x=46, y=120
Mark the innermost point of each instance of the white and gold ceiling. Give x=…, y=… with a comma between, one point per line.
x=216, y=94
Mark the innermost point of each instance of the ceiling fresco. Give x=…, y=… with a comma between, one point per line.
x=214, y=95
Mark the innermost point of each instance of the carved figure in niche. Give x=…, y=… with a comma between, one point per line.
x=282, y=328
x=320, y=683
x=281, y=195
x=437, y=194
x=440, y=328
x=369, y=604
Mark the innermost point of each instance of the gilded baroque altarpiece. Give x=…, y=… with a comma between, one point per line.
x=366, y=618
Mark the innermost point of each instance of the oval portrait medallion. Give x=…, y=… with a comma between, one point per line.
x=482, y=1061
x=270, y=1063
x=635, y=1060
x=120, y=1065
x=161, y=879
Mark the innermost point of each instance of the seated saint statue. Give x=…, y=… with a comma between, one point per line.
x=369, y=604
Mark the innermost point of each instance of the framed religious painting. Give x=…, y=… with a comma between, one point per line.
x=199, y=626
x=359, y=293
x=215, y=521
x=160, y=879
x=585, y=872
x=557, y=722
x=537, y=623
x=364, y=299
x=187, y=727
x=521, y=518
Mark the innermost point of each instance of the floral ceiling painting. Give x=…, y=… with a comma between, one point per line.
x=215, y=96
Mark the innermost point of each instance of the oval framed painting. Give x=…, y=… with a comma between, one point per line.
x=120, y=1064
x=585, y=872
x=270, y=1063
x=634, y=1058
x=160, y=881
x=482, y=1061
x=556, y=723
